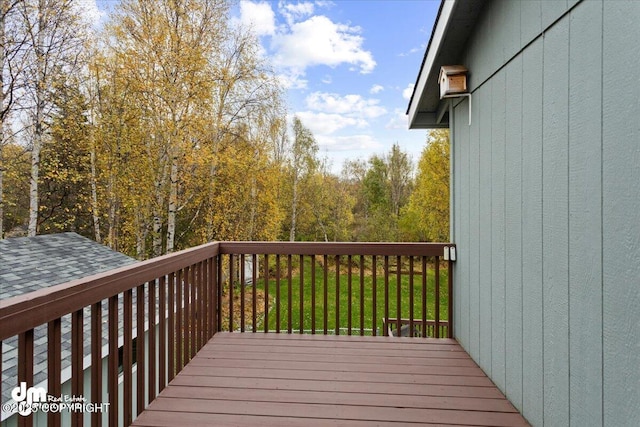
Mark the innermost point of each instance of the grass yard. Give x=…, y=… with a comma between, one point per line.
x=346, y=295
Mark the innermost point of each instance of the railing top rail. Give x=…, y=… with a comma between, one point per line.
x=24, y=312
x=334, y=248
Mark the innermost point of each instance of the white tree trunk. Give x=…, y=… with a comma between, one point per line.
x=94, y=195
x=173, y=204
x=294, y=210
x=33, y=182
x=157, y=222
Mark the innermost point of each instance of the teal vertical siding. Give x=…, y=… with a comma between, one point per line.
x=585, y=215
x=513, y=230
x=532, y=245
x=621, y=212
x=547, y=195
x=497, y=219
x=485, y=230
x=555, y=236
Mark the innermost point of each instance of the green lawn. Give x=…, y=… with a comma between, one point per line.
x=347, y=299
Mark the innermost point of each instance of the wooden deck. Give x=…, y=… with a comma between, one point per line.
x=245, y=379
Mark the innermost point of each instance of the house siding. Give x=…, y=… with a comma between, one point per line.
x=546, y=208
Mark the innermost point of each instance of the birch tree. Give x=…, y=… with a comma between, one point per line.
x=53, y=31
x=165, y=48
x=11, y=42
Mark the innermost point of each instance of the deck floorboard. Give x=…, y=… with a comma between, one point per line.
x=316, y=380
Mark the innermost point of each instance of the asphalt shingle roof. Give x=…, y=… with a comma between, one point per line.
x=31, y=263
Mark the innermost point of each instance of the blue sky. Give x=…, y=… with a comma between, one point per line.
x=348, y=66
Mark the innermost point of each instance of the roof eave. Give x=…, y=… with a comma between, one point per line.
x=449, y=36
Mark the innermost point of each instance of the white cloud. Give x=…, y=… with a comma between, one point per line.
x=350, y=105
x=324, y=124
x=259, y=17
x=295, y=11
x=408, y=91
x=376, y=89
x=319, y=41
x=411, y=51
x=398, y=121
x=348, y=143
x=327, y=79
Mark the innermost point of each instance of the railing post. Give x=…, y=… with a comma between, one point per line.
x=437, y=297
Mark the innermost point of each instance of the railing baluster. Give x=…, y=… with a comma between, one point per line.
x=113, y=362
x=289, y=296
x=203, y=315
x=450, y=299
x=187, y=309
x=77, y=355
x=425, y=275
x=178, y=325
x=301, y=294
x=193, y=311
x=386, y=295
x=242, y=280
x=374, y=297
x=54, y=366
x=162, y=330
x=151, y=304
x=349, y=295
x=411, y=332
x=127, y=356
x=140, y=350
x=266, y=293
x=437, y=297
x=172, y=327
x=361, y=295
x=254, y=284
x=25, y=368
x=325, y=306
x=212, y=309
x=313, y=294
x=231, y=292
x=202, y=304
x=337, y=295
x=398, y=295
x=277, y=293
x=219, y=286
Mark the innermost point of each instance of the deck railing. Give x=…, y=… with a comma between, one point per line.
x=152, y=317
x=335, y=288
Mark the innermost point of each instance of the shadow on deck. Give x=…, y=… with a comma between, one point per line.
x=245, y=379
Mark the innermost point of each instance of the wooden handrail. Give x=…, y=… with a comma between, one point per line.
x=334, y=248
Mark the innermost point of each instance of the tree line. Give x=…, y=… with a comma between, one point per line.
x=168, y=129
